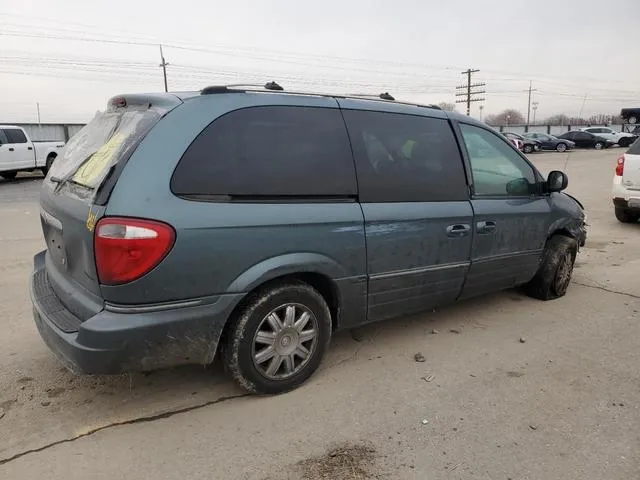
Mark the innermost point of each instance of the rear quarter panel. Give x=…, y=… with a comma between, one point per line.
x=223, y=247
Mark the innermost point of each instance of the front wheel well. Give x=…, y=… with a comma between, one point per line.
x=563, y=232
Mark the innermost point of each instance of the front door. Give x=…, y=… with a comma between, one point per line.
x=20, y=150
x=511, y=217
x=418, y=218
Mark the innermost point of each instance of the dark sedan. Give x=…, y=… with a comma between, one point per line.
x=528, y=145
x=587, y=140
x=549, y=142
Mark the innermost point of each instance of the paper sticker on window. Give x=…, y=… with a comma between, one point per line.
x=91, y=171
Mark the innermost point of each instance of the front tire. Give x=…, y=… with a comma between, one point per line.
x=561, y=147
x=278, y=340
x=527, y=149
x=554, y=275
x=624, y=142
x=599, y=146
x=625, y=216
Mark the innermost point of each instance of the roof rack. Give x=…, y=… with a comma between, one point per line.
x=273, y=87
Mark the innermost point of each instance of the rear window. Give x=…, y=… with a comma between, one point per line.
x=111, y=136
x=271, y=151
x=634, y=149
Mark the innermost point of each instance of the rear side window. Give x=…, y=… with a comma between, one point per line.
x=272, y=151
x=3, y=138
x=15, y=135
x=405, y=158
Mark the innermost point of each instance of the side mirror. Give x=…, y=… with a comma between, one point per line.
x=557, y=181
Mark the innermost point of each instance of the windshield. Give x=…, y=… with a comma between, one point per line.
x=109, y=137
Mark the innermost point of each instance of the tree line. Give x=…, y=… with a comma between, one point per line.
x=512, y=116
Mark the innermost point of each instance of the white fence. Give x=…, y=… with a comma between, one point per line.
x=50, y=131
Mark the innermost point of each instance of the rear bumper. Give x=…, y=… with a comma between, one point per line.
x=625, y=198
x=134, y=338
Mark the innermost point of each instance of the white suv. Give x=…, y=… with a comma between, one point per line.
x=621, y=138
x=626, y=185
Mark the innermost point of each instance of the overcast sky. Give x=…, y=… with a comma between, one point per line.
x=581, y=56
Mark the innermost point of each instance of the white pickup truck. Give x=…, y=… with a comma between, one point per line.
x=19, y=154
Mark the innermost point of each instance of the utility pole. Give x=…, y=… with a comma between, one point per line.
x=535, y=109
x=38, y=107
x=529, y=102
x=164, y=69
x=469, y=90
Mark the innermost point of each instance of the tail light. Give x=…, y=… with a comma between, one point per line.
x=128, y=248
x=620, y=166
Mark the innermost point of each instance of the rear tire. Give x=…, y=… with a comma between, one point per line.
x=265, y=355
x=554, y=275
x=561, y=147
x=625, y=216
x=48, y=164
x=8, y=175
x=527, y=149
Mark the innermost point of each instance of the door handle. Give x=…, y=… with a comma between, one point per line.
x=488, y=226
x=29, y=148
x=11, y=149
x=458, y=230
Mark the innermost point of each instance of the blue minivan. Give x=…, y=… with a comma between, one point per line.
x=254, y=223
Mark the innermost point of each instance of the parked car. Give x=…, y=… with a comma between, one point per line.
x=626, y=185
x=621, y=138
x=516, y=143
x=631, y=115
x=527, y=145
x=19, y=154
x=257, y=223
x=549, y=142
x=586, y=140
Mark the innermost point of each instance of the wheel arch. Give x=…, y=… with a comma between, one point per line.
x=315, y=270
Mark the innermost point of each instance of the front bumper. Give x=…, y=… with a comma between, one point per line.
x=134, y=338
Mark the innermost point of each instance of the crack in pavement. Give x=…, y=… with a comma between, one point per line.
x=605, y=289
x=149, y=418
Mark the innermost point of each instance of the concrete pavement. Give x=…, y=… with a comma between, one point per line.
x=562, y=405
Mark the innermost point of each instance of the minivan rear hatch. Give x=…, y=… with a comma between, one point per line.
x=75, y=193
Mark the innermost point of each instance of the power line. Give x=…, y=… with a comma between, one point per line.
x=471, y=90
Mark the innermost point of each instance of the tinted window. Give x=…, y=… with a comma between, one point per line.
x=269, y=151
x=3, y=138
x=405, y=158
x=15, y=135
x=582, y=136
x=497, y=169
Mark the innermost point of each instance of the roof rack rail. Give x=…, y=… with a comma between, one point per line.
x=382, y=96
x=273, y=86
